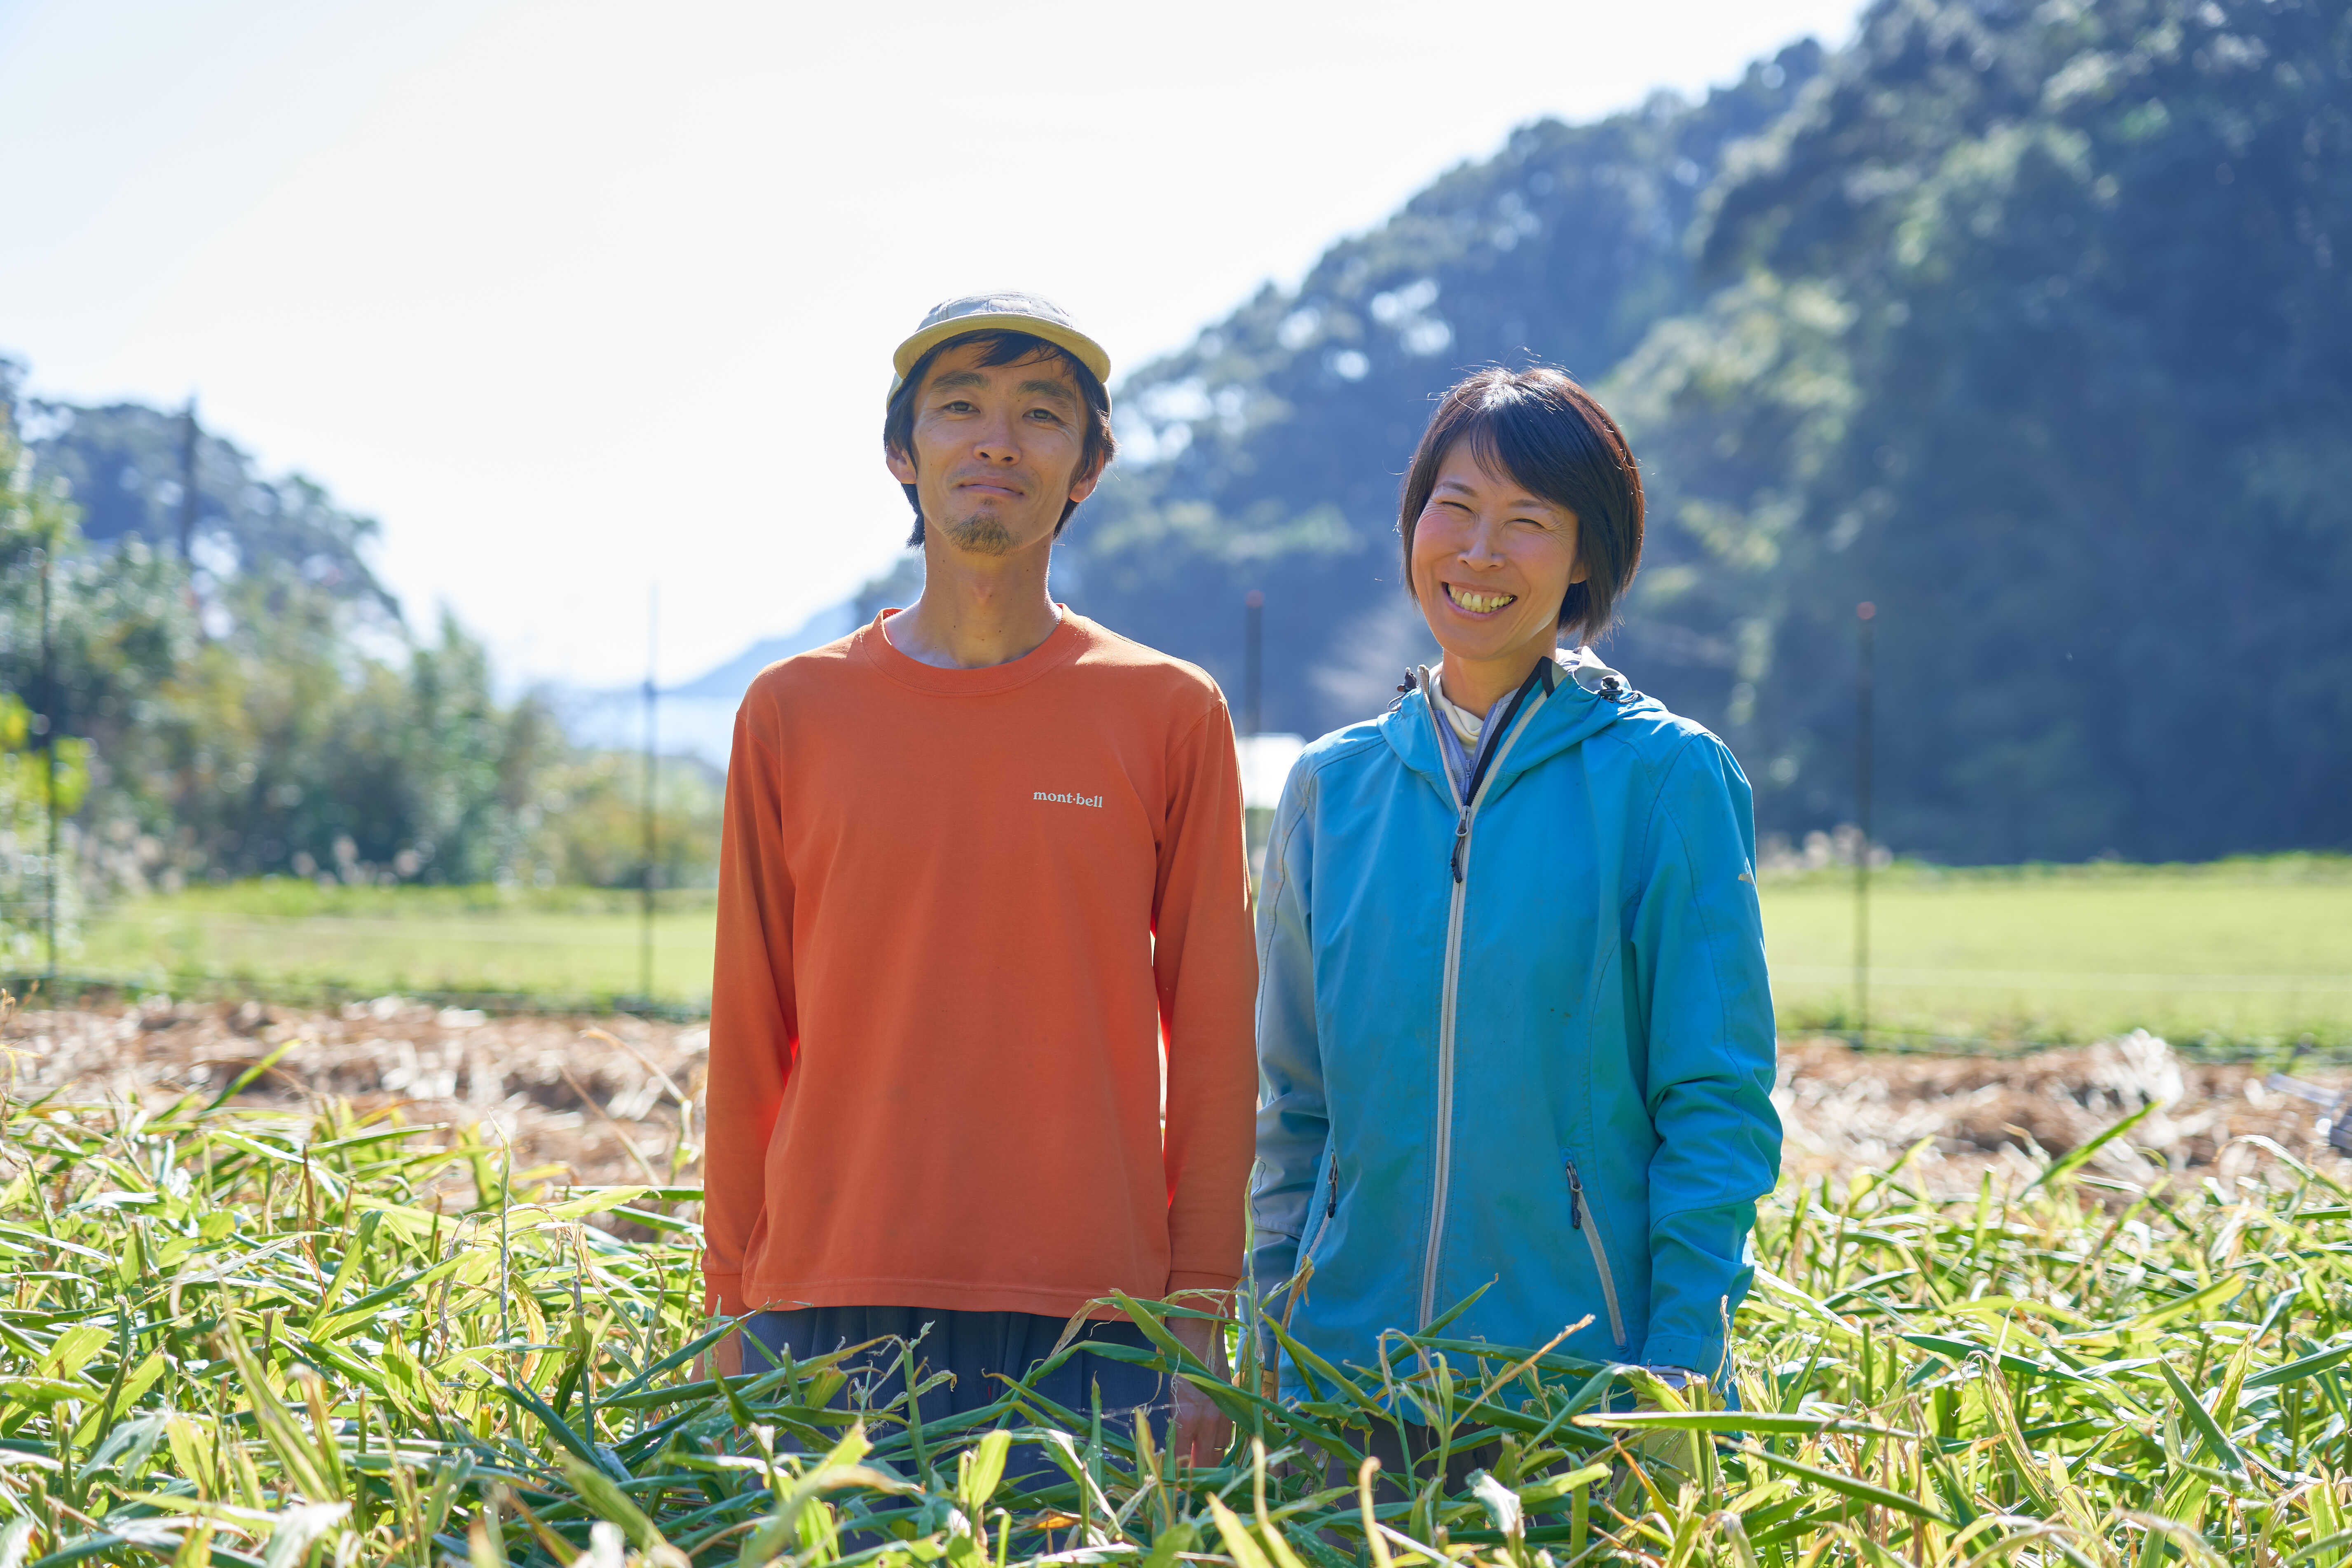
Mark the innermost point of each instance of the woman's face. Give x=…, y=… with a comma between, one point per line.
x=1491, y=563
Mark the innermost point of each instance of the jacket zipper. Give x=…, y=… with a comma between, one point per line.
x=1330, y=1209
x=1459, y=864
x=1577, y=1208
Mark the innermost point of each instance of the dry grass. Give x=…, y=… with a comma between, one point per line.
x=278, y=1331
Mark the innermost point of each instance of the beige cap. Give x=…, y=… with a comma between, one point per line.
x=1006, y=312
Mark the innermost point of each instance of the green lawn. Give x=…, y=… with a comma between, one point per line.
x=560, y=944
x=2237, y=950
x=2242, y=950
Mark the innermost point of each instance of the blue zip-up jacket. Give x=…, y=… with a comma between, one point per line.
x=1526, y=1039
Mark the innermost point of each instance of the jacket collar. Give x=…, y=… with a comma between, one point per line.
x=1586, y=697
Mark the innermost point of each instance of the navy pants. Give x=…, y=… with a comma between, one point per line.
x=979, y=1349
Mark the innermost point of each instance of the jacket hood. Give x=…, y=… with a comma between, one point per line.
x=1586, y=696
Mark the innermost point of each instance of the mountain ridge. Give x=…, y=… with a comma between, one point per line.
x=2028, y=325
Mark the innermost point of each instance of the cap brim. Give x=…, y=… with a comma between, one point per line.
x=1085, y=349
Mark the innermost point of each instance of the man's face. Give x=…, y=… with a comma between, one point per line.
x=996, y=450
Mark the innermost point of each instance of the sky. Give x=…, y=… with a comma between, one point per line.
x=582, y=299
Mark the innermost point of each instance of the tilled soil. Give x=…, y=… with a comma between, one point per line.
x=611, y=1100
x=581, y=1099
x=1845, y=1111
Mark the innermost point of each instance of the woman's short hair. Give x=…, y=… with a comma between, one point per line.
x=1004, y=348
x=1545, y=432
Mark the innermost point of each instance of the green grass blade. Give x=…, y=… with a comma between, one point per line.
x=1858, y=1490
x=2203, y=1419
x=2295, y=1371
x=2075, y=1158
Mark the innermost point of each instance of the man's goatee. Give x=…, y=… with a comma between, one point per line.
x=982, y=535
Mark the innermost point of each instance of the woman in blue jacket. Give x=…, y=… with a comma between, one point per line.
x=1512, y=1021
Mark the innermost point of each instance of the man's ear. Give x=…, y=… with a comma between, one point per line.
x=902, y=468
x=1080, y=487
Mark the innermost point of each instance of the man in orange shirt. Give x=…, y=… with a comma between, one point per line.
x=982, y=875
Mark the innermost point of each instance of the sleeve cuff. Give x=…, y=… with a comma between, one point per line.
x=722, y=1295
x=1701, y=1358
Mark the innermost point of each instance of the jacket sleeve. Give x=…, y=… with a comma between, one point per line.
x=1293, y=1122
x=1698, y=951
x=754, y=1024
x=1202, y=960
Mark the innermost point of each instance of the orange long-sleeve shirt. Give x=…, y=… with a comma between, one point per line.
x=959, y=912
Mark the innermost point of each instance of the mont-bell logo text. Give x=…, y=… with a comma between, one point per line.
x=1067, y=798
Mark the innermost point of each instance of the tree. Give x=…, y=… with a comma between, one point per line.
x=257, y=706
x=2029, y=324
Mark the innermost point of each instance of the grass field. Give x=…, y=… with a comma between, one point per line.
x=258, y=1336
x=562, y=942
x=2236, y=951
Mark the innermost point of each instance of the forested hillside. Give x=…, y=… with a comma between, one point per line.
x=237, y=694
x=2028, y=323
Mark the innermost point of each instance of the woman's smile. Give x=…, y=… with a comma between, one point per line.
x=1475, y=601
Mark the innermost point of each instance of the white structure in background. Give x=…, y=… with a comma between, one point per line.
x=698, y=718
x=1265, y=762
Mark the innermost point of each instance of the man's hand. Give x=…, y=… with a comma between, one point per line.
x=1199, y=1432
x=724, y=1359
